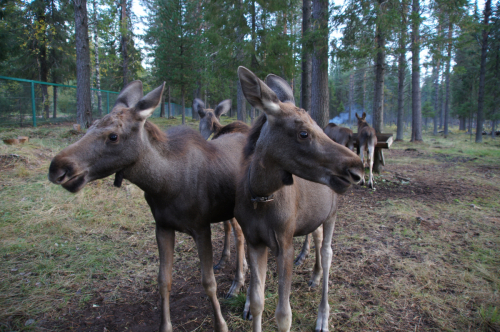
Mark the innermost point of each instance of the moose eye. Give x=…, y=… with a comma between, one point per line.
x=303, y=134
x=113, y=137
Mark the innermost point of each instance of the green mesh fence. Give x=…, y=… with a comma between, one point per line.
x=22, y=103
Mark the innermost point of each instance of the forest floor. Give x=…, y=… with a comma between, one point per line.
x=420, y=253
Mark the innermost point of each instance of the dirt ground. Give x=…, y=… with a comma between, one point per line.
x=425, y=179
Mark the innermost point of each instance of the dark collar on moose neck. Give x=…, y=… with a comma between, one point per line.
x=257, y=199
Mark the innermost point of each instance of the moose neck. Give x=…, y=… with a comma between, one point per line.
x=217, y=126
x=362, y=125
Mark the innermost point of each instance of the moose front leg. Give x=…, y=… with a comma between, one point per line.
x=318, y=270
x=166, y=241
x=285, y=267
x=326, y=260
x=204, y=244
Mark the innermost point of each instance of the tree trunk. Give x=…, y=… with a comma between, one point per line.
x=436, y=85
x=124, y=40
x=448, y=65
x=169, y=105
x=183, y=106
x=162, y=106
x=83, y=107
x=351, y=97
x=364, y=90
x=416, y=135
x=305, y=89
x=378, y=98
x=54, y=114
x=319, y=75
x=241, y=111
x=401, y=75
x=482, y=73
x=493, y=124
x=97, y=66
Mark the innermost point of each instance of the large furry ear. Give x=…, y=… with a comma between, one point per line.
x=281, y=88
x=223, y=107
x=364, y=116
x=257, y=93
x=199, y=106
x=146, y=106
x=130, y=95
x=357, y=116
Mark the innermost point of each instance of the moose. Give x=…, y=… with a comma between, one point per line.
x=188, y=182
x=341, y=135
x=287, y=187
x=367, y=139
x=210, y=124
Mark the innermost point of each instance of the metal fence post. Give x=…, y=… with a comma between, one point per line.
x=33, y=107
x=107, y=101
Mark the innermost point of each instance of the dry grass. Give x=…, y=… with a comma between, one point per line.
x=403, y=259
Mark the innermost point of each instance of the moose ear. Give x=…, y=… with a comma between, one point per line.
x=257, y=93
x=281, y=88
x=146, y=106
x=357, y=116
x=199, y=106
x=223, y=107
x=364, y=116
x=130, y=95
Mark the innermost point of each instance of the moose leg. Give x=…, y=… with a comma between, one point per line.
x=318, y=270
x=362, y=156
x=241, y=262
x=204, y=245
x=304, y=253
x=226, y=252
x=285, y=266
x=166, y=241
x=257, y=256
x=326, y=260
x=371, y=152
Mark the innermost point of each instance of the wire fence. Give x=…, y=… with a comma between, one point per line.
x=31, y=103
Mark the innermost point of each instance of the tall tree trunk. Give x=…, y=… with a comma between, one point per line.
x=319, y=76
x=169, y=104
x=378, y=98
x=401, y=74
x=124, y=40
x=436, y=85
x=162, y=106
x=416, y=135
x=241, y=111
x=443, y=98
x=482, y=73
x=448, y=65
x=97, y=66
x=183, y=94
x=43, y=61
x=83, y=107
x=364, y=90
x=54, y=97
x=305, y=89
x=351, y=97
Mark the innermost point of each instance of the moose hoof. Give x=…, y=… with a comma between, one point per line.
x=300, y=259
x=219, y=266
x=247, y=315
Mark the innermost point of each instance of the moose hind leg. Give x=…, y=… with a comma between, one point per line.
x=304, y=253
x=362, y=155
x=371, y=149
x=326, y=260
x=204, y=245
x=241, y=263
x=226, y=252
x=318, y=270
x=166, y=240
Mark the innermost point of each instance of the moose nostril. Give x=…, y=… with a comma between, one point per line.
x=61, y=177
x=355, y=177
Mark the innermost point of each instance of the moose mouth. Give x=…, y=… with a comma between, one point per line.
x=339, y=184
x=76, y=183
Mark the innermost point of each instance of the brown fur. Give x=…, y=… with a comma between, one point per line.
x=341, y=135
x=367, y=139
x=188, y=182
x=285, y=140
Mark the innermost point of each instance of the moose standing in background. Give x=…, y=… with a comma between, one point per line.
x=341, y=135
x=188, y=182
x=367, y=139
